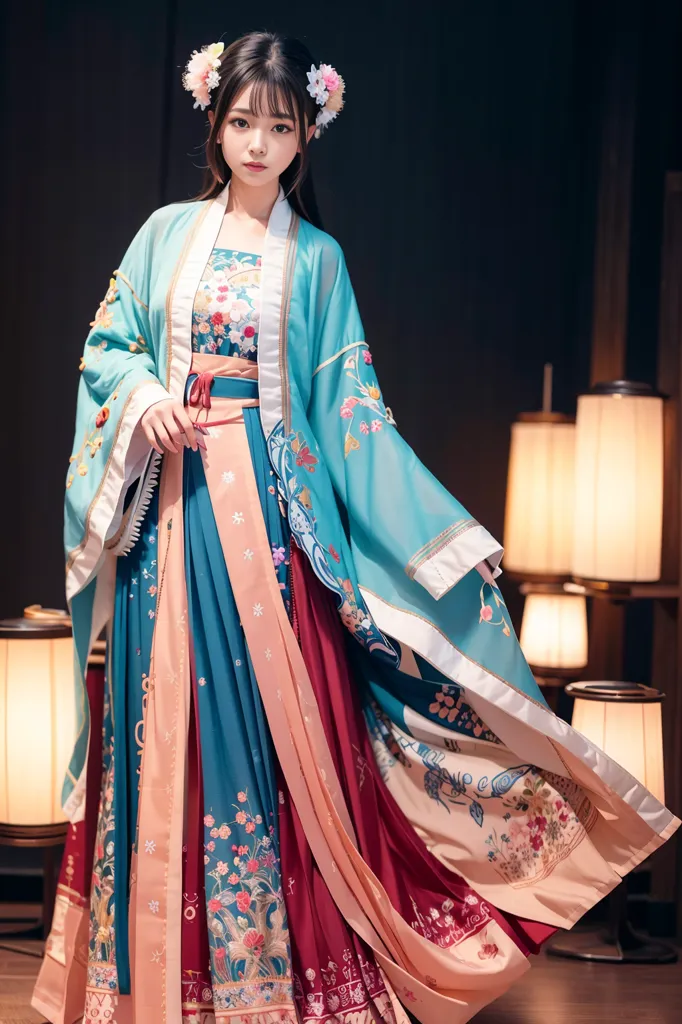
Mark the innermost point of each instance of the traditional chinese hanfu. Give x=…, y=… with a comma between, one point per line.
x=321, y=783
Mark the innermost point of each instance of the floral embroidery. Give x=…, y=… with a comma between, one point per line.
x=369, y=397
x=226, y=314
x=488, y=612
x=488, y=949
x=248, y=933
x=548, y=818
x=302, y=454
x=450, y=706
x=93, y=441
x=451, y=922
x=104, y=316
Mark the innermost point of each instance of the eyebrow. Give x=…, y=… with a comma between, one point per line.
x=277, y=114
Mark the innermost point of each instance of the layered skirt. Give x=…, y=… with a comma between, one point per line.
x=243, y=857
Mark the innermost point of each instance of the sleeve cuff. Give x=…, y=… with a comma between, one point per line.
x=473, y=548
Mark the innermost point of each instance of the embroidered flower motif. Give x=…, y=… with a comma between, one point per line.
x=258, y=610
x=215, y=906
x=222, y=868
x=278, y=555
x=237, y=518
x=228, y=477
x=202, y=682
x=233, y=879
x=241, y=796
x=102, y=417
x=334, y=553
x=243, y=901
x=209, y=820
x=376, y=425
x=367, y=356
x=268, y=653
x=224, y=831
x=240, y=817
x=364, y=427
x=248, y=554
x=149, y=846
x=486, y=613
x=153, y=906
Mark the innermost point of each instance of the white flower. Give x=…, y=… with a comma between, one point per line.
x=248, y=554
x=280, y=796
x=212, y=79
x=153, y=906
x=237, y=518
x=316, y=86
x=258, y=610
x=268, y=653
x=238, y=662
x=149, y=846
x=325, y=117
x=110, y=849
x=228, y=477
x=201, y=681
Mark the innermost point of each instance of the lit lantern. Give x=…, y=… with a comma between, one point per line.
x=554, y=629
x=538, y=522
x=624, y=720
x=37, y=721
x=618, y=484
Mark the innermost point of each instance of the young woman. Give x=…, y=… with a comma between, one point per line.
x=329, y=787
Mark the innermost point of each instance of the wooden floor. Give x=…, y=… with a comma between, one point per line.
x=553, y=992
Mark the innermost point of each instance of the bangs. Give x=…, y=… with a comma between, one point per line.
x=271, y=97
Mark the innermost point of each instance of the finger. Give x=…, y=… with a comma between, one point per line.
x=165, y=438
x=172, y=429
x=151, y=437
x=186, y=425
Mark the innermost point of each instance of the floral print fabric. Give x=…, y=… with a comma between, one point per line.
x=226, y=314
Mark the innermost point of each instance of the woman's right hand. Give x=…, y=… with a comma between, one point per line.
x=167, y=424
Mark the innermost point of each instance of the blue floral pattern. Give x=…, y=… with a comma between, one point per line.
x=226, y=314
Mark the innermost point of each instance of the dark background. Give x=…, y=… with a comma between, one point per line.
x=460, y=179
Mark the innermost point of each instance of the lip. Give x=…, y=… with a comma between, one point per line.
x=255, y=166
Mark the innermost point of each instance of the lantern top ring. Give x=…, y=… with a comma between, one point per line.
x=606, y=691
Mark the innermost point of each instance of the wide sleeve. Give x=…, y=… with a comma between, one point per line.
x=395, y=507
x=119, y=382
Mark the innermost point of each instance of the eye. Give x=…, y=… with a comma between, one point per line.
x=239, y=122
x=284, y=126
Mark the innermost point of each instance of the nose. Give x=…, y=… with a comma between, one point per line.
x=257, y=143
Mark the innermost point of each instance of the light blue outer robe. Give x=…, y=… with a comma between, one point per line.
x=414, y=573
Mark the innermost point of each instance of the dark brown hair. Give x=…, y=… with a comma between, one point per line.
x=276, y=67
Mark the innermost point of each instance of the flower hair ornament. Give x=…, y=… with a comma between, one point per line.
x=326, y=86
x=202, y=75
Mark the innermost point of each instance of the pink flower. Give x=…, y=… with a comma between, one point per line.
x=364, y=427
x=563, y=817
x=252, y=939
x=486, y=613
x=217, y=319
x=214, y=833
x=222, y=867
x=224, y=831
x=243, y=901
x=215, y=905
x=233, y=879
x=346, y=412
x=269, y=860
x=367, y=356
x=242, y=850
x=253, y=864
x=278, y=555
x=210, y=846
x=376, y=425
x=537, y=842
x=221, y=953
x=329, y=77
x=540, y=823
x=250, y=826
x=249, y=331
x=240, y=817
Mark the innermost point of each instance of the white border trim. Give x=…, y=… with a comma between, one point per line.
x=441, y=571
x=523, y=725
x=272, y=293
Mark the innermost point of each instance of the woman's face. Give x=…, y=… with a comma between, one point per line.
x=257, y=149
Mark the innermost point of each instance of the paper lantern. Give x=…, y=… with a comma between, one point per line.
x=37, y=719
x=624, y=720
x=554, y=629
x=618, y=484
x=538, y=527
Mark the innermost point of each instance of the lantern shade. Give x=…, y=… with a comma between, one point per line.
x=538, y=528
x=618, y=485
x=624, y=720
x=37, y=720
x=554, y=630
